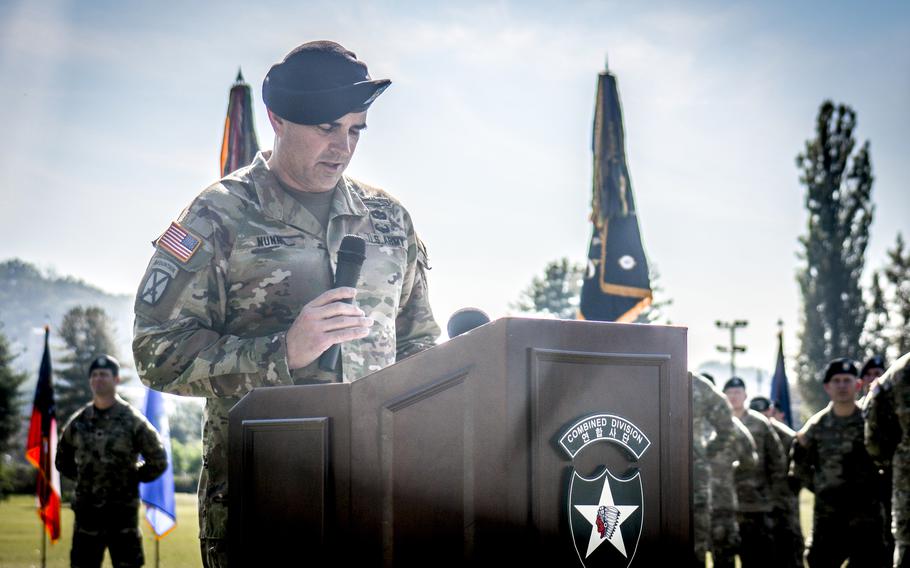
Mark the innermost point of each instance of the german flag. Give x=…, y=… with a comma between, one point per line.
x=239, y=144
x=617, y=284
x=41, y=449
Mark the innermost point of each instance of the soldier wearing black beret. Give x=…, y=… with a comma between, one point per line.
x=99, y=449
x=830, y=460
x=873, y=368
x=761, y=490
x=239, y=293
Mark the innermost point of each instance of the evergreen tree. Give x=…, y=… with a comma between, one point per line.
x=10, y=416
x=556, y=294
x=838, y=184
x=88, y=333
x=655, y=313
x=876, y=333
x=897, y=274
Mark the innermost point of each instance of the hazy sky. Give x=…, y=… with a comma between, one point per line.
x=113, y=114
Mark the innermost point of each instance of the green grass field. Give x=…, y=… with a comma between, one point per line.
x=20, y=545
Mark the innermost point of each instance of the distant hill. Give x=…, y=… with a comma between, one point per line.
x=31, y=298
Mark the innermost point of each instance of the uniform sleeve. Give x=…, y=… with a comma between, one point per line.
x=744, y=446
x=776, y=462
x=882, y=430
x=153, y=454
x=802, y=459
x=415, y=327
x=179, y=345
x=66, y=458
x=721, y=418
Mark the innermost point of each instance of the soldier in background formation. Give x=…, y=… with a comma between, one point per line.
x=762, y=490
x=874, y=368
x=712, y=428
x=99, y=448
x=788, y=535
x=725, y=539
x=830, y=460
x=887, y=438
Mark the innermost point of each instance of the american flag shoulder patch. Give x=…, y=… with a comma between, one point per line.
x=179, y=242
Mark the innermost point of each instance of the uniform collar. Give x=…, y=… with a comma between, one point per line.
x=275, y=201
x=118, y=406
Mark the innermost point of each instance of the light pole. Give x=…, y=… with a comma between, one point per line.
x=733, y=349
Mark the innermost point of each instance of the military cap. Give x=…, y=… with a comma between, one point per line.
x=760, y=403
x=710, y=378
x=105, y=362
x=874, y=362
x=842, y=366
x=318, y=82
x=734, y=383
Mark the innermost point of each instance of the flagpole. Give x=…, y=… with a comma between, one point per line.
x=43, y=545
x=157, y=552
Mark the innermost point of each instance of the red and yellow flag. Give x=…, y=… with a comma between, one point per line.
x=239, y=144
x=41, y=449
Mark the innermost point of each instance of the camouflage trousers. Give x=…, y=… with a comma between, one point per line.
x=113, y=529
x=214, y=552
x=701, y=504
x=836, y=538
x=788, y=537
x=901, y=528
x=702, y=529
x=756, y=532
x=724, y=538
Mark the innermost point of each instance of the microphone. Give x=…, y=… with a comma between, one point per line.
x=464, y=320
x=347, y=271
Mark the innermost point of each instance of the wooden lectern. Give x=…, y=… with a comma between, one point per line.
x=545, y=442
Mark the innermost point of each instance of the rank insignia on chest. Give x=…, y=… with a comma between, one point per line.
x=179, y=242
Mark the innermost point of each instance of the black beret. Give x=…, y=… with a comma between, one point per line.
x=760, y=403
x=319, y=82
x=710, y=377
x=733, y=383
x=105, y=362
x=874, y=362
x=842, y=366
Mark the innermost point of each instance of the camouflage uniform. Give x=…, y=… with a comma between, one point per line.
x=788, y=534
x=712, y=429
x=760, y=491
x=725, y=538
x=831, y=461
x=887, y=437
x=215, y=325
x=100, y=450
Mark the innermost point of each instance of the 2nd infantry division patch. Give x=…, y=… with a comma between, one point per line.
x=606, y=508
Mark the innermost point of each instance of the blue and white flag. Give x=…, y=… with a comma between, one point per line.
x=780, y=386
x=158, y=495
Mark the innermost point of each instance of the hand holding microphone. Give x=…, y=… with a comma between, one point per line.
x=330, y=318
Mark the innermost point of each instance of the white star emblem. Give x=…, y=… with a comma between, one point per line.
x=590, y=513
